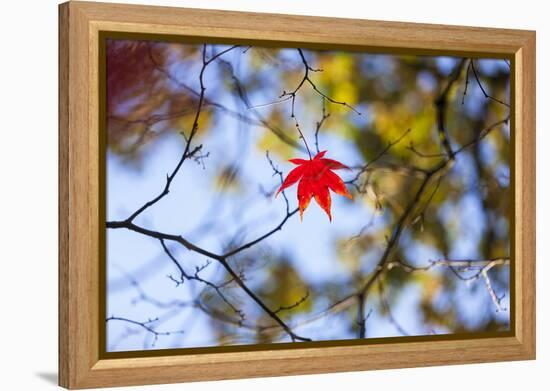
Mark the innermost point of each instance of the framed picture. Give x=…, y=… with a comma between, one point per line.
x=247, y=195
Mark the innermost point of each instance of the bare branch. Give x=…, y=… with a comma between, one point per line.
x=487, y=96
x=262, y=237
x=319, y=124
x=432, y=175
x=466, y=82
x=286, y=96
x=422, y=212
x=458, y=267
x=279, y=173
x=405, y=216
x=496, y=299
x=188, y=148
x=306, y=78
x=412, y=148
x=361, y=318
x=441, y=107
x=195, y=277
x=382, y=153
x=483, y=133
x=146, y=326
x=300, y=132
x=222, y=259
x=292, y=306
x=242, y=94
x=404, y=220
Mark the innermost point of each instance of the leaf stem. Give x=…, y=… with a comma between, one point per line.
x=302, y=136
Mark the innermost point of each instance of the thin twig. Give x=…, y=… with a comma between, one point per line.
x=294, y=305
x=222, y=259
x=361, y=318
x=441, y=108
x=279, y=173
x=457, y=267
x=320, y=123
x=483, y=89
x=146, y=326
x=413, y=149
x=195, y=277
x=383, y=152
x=188, y=149
x=467, y=81
x=291, y=95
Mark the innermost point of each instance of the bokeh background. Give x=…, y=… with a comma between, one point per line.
x=449, y=272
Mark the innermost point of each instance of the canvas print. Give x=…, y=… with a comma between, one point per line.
x=258, y=196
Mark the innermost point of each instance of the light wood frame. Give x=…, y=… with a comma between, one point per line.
x=80, y=365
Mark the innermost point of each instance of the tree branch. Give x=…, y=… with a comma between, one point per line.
x=292, y=306
x=407, y=217
x=367, y=166
x=222, y=259
x=286, y=96
x=435, y=174
x=487, y=96
x=441, y=106
x=361, y=318
x=146, y=326
x=306, y=78
x=261, y=121
x=188, y=149
x=262, y=237
x=480, y=267
x=196, y=277
x=319, y=124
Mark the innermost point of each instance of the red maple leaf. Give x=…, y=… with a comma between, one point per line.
x=316, y=178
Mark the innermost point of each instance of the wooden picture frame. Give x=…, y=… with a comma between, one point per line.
x=80, y=25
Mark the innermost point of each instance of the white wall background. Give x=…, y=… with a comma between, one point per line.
x=28, y=193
